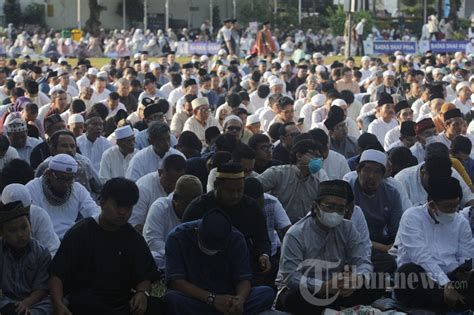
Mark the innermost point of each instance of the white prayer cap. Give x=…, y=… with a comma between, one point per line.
x=92, y=71
x=137, y=56
x=153, y=66
x=338, y=102
x=397, y=53
x=437, y=71
x=198, y=102
x=252, y=119
x=63, y=163
x=365, y=58
x=13, y=123
x=18, y=79
x=83, y=84
x=429, y=69
x=204, y=58
x=374, y=156
x=221, y=68
x=275, y=82
x=307, y=57
x=389, y=73
x=106, y=68
x=61, y=59
x=124, y=132
x=318, y=100
x=16, y=192
x=75, y=119
x=408, y=57
x=221, y=52
x=320, y=68
x=400, y=57
x=461, y=85
x=267, y=74
x=145, y=62
x=317, y=55
x=233, y=117
x=285, y=63
x=102, y=74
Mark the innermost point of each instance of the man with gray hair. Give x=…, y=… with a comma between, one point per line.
x=166, y=213
x=127, y=99
x=150, y=158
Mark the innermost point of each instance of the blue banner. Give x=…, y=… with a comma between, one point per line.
x=203, y=48
x=387, y=47
x=447, y=46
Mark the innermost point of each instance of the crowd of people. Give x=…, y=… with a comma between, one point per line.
x=271, y=183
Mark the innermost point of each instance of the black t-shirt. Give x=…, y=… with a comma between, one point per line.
x=108, y=263
x=281, y=154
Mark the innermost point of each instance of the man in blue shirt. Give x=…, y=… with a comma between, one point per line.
x=208, y=270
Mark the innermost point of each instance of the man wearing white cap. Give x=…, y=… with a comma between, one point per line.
x=318, y=59
x=89, y=79
x=463, y=99
x=365, y=70
x=156, y=70
x=42, y=227
x=253, y=124
x=64, y=84
x=307, y=110
x=62, y=197
x=201, y=119
x=75, y=124
x=381, y=204
x=388, y=85
x=16, y=130
x=115, y=160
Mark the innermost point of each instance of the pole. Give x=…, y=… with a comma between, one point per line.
x=211, y=17
x=425, y=17
x=124, y=14
x=167, y=14
x=349, y=40
x=145, y=15
x=78, y=14
x=299, y=12
x=234, y=9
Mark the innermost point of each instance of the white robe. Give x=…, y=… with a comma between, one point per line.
x=93, y=150
x=379, y=128
x=114, y=164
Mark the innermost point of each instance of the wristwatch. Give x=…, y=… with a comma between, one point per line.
x=210, y=299
x=144, y=292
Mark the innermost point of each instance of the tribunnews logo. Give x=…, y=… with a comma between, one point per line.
x=312, y=291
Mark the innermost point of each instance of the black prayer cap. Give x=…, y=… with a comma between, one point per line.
x=407, y=128
x=215, y=230
x=453, y=113
x=443, y=188
x=121, y=114
x=11, y=211
x=436, y=95
x=147, y=101
x=189, y=82
x=335, y=187
x=161, y=106
x=401, y=105
x=385, y=98
x=188, y=65
x=335, y=116
x=51, y=120
x=230, y=171
x=253, y=188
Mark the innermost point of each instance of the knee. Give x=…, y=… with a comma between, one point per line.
x=173, y=297
x=266, y=295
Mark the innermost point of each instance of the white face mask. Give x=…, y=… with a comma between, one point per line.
x=444, y=218
x=205, y=91
x=208, y=252
x=330, y=219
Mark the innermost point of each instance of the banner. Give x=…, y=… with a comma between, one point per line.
x=447, y=46
x=387, y=47
x=200, y=48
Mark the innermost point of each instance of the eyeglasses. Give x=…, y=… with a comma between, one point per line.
x=333, y=207
x=63, y=179
x=204, y=110
x=234, y=128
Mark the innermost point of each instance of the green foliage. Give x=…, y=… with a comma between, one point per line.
x=34, y=14
x=415, y=7
x=216, y=18
x=315, y=22
x=336, y=20
x=12, y=11
x=134, y=10
x=258, y=11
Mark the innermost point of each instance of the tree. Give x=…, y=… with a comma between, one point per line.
x=34, y=14
x=12, y=11
x=93, y=23
x=134, y=10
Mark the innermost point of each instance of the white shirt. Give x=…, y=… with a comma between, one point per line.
x=133, y=118
x=63, y=217
x=443, y=139
x=418, y=151
x=306, y=113
x=193, y=125
x=72, y=91
x=335, y=165
x=379, y=128
x=360, y=28
x=42, y=229
x=174, y=96
x=266, y=116
x=396, y=144
x=145, y=94
x=276, y=219
x=255, y=102
x=147, y=161
x=358, y=219
x=411, y=180
x=160, y=221
x=25, y=152
x=150, y=189
x=391, y=137
x=113, y=112
x=11, y=154
x=114, y=164
x=166, y=89
x=93, y=150
x=41, y=99
x=416, y=107
x=463, y=107
x=423, y=242
x=98, y=97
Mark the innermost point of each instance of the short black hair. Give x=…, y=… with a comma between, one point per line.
x=319, y=136
x=263, y=91
x=78, y=106
x=123, y=191
x=226, y=142
x=98, y=109
x=188, y=139
x=461, y=144
x=242, y=151
x=211, y=133
x=31, y=108
x=17, y=171
x=114, y=96
x=347, y=96
x=438, y=166
x=188, y=98
x=174, y=162
x=274, y=131
x=220, y=157
x=303, y=146
x=31, y=86
x=244, y=96
x=176, y=79
x=54, y=139
x=233, y=100
x=256, y=139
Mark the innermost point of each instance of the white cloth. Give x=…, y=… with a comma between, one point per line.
x=276, y=219
x=114, y=112
x=173, y=98
x=423, y=242
x=266, y=116
x=418, y=151
x=396, y=144
x=392, y=136
x=335, y=165
x=93, y=150
x=25, y=152
x=443, y=139
x=463, y=107
x=114, y=164
x=192, y=124
x=144, y=94
x=160, y=221
x=42, y=229
x=72, y=91
x=63, y=217
x=306, y=113
x=147, y=161
x=379, y=128
x=255, y=102
x=98, y=97
x=411, y=180
x=358, y=219
x=11, y=154
x=166, y=89
x=150, y=189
